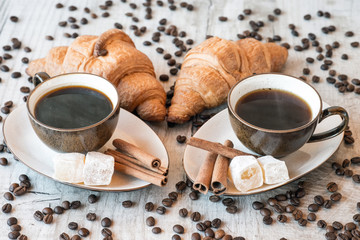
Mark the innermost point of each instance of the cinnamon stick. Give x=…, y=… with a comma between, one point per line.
x=219, y=176
x=203, y=178
x=217, y=148
x=122, y=165
x=132, y=150
x=161, y=170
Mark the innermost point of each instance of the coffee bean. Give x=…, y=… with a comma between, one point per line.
x=223, y=19
x=64, y=236
x=106, y=222
x=267, y=220
x=65, y=205
x=4, y=68
x=161, y=210
x=313, y=207
x=106, y=232
x=265, y=212
x=127, y=204
x=48, y=219
x=356, y=217
x=15, y=227
x=337, y=225
x=73, y=225
x=13, y=235
x=356, y=178
x=228, y=201
x=12, y=221
x=178, y=229
x=3, y=162
x=175, y=237
x=219, y=234
x=47, y=210
x=183, y=212
x=91, y=217
x=74, y=205
x=201, y=227
x=25, y=89
x=321, y=224
x=83, y=232
x=195, y=216
x=311, y=217
x=349, y=34
x=167, y=202
x=194, y=195
x=156, y=230
x=38, y=216
x=8, y=196
x=149, y=206
x=216, y=223
x=289, y=208
x=335, y=197
x=105, y=14
x=298, y=48
x=282, y=218
x=6, y=208
x=257, y=205
x=348, y=173
x=297, y=214
x=93, y=15
x=319, y=200
x=279, y=208
x=209, y=233
x=76, y=237
x=247, y=11
x=350, y=226
x=332, y=187
x=92, y=198
x=150, y=221
x=327, y=204
x=355, y=160
x=302, y=222
x=281, y=197
x=173, y=196
x=315, y=79
x=330, y=236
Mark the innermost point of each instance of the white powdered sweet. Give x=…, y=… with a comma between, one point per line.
x=275, y=171
x=245, y=172
x=69, y=167
x=98, y=169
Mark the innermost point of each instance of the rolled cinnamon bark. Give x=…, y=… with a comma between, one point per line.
x=129, y=168
x=161, y=170
x=137, y=153
x=219, y=176
x=215, y=148
x=203, y=178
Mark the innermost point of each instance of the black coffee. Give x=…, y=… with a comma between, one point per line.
x=72, y=107
x=273, y=109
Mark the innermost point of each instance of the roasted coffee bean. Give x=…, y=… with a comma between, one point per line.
x=167, y=202
x=106, y=222
x=161, y=210
x=25, y=89
x=247, y=11
x=350, y=226
x=23, y=237
x=194, y=195
x=285, y=45
x=289, y=208
x=315, y=79
x=47, y=210
x=195, y=236
x=4, y=68
x=13, y=235
x=335, y=165
x=175, y=237
x=354, y=44
x=310, y=60
x=195, y=216
x=307, y=17
x=156, y=230
x=48, y=37
x=267, y=220
x=84, y=21
x=356, y=178
x=178, y=229
x=8, y=196
x=337, y=225
x=74, y=205
x=181, y=139
x=281, y=197
x=294, y=201
x=6, y=208
x=216, y=223
x=313, y=207
x=150, y=221
x=297, y=214
x=321, y=224
x=173, y=71
x=38, y=216
x=349, y=34
x=356, y=218
x=257, y=205
x=265, y=212
x=6, y=48
x=7, y=56
x=48, y=219
x=64, y=236
x=105, y=14
x=201, y=227
x=83, y=232
x=279, y=208
x=282, y=218
x=106, y=232
x=332, y=187
x=91, y=217
x=319, y=200
x=73, y=225
x=118, y=25
x=149, y=206
x=12, y=221
x=355, y=160
x=327, y=204
x=348, y=173
x=173, y=196
x=183, y=212
x=302, y=222
x=76, y=237
x=223, y=19
x=228, y=201
x=15, y=74
x=65, y=205
x=300, y=192
x=271, y=18
x=127, y=204
x=219, y=234
x=311, y=217
x=164, y=77
x=330, y=236
x=298, y=48
x=335, y=197
x=330, y=80
x=209, y=233
x=15, y=227
x=3, y=162
x=92, y=198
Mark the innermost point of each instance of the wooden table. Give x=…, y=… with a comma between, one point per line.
x=39, y=18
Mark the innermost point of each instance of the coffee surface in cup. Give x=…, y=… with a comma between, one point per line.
x=273, y=109
x=72, y=107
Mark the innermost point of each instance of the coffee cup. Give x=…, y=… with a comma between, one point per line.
x=68, y=133
x=281, y=142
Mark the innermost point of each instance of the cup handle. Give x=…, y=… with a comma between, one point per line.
x=40, y=77
x=335, y=110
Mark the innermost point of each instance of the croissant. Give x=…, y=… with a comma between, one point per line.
x=113, y=56
x=210, y=69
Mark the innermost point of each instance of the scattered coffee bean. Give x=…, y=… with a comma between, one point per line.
x=74, y=205
x=4, y=68
x=313, y=207
x=183, y=212
x=75, y=237
x=257, y=205
x=335, y=197
x=64, y=236
x=161, y=210
x=297, y=214
x=127, y=204
x=349, y=34
x=178, y=229
x=65, y=205
x=48, y=219
x=228, y=202
x=91, y=217
x=150, y=221
x=13, y=235
x=73, y=225
x=38, y=216
x=302, y=222
x=6, y=208
x=282, y=218
x=337, y=225
x=156, y=230
x=47, y=210
x=214, y=198
x=83, y=232
x=195, y=216
x=92, y=198
x=356, y=178
x=307, y=17
x=173, y=196
x=311, y=217
x=194, y=195
x=8, y=196
x=267, y=220
x=265, y=212
x=3, y=162
x=332, y=187
x=106, y=222
x=149, y=206
x=223, y=19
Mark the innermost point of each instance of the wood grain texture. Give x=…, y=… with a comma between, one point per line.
x=39, y=18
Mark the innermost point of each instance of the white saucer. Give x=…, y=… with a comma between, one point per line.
x=299, y=163
x=28, y=148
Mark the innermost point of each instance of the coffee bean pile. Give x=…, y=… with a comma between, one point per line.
x=343, y=169
x=348, y=138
